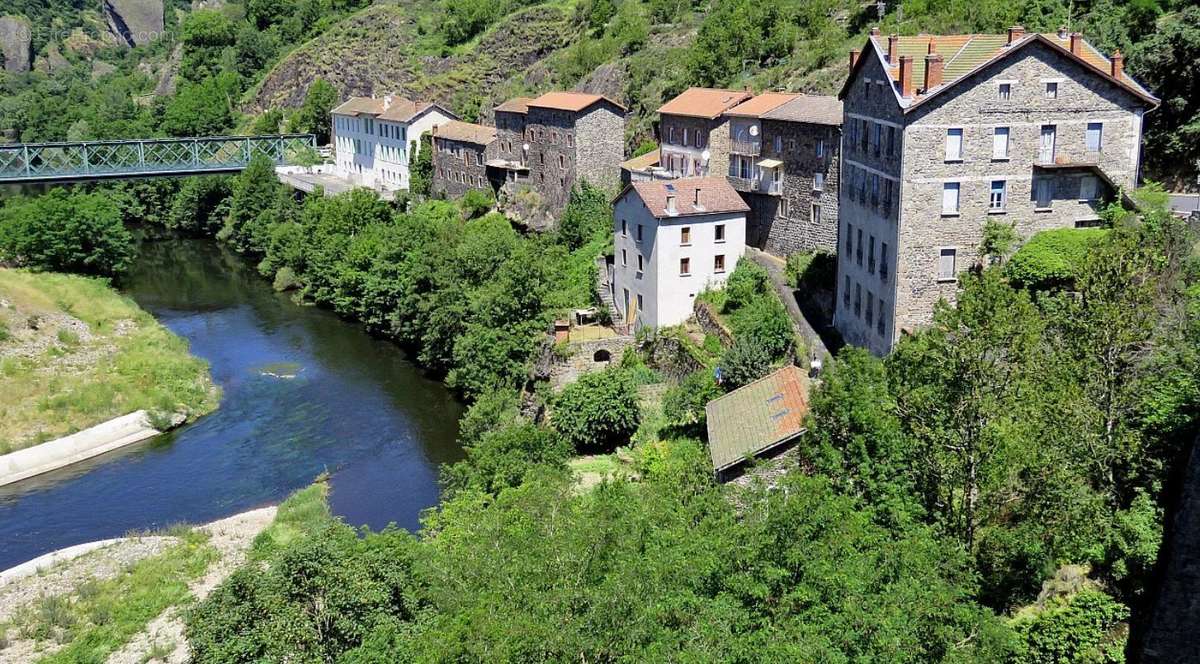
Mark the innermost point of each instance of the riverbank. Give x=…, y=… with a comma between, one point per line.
x=74, y=353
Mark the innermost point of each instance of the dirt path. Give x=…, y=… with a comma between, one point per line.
x=162, y=640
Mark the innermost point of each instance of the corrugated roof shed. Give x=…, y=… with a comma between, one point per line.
x=704, y=102
x=757, y=417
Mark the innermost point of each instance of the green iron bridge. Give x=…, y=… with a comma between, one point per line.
x=24, y=163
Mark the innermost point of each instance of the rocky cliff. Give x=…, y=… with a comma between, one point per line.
x=134, y=22
x=15, y=38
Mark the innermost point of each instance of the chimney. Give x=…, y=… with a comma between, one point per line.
x=387, y=102
x=934, y=66
x=906, y=74
x=1062, y=32
x=1118, y=65
x=1076, y=43
x=1015, y=33
x=671, y=205
x=854, y=53
x=893, y=40
x=875, y=31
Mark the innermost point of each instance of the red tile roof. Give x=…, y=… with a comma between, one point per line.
x=754, y=418
x=714, y=194
x=570, y=101
x=465, y=132
x=759, y=104
x=704, y=102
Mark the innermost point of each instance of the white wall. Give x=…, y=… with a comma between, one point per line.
x=668, y=296
x=380, y=157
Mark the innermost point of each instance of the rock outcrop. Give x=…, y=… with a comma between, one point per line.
x=134, y=22
x=15, y=37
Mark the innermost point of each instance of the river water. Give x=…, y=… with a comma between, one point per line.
x=304, y=392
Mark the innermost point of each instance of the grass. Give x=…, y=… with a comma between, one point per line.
x=101, y=616
x=66, y=381
x=304, y=513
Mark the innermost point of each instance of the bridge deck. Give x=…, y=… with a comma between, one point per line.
x=95, y=160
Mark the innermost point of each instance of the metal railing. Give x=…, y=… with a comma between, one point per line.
x=752, y=148
x=743, y=184
x=91, y=160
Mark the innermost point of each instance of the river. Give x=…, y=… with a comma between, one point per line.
x=304, y=392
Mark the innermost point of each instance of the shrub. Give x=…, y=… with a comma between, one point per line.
x=599, y=411
x=504, y=456
x=748, y=281
x=587, y=216
x=66, y=232
x=683, y=404
x=476, y=202
x=766, y=321
x=1052, y=259
x=744, y=362
x=812, y=270
x=1082, y=628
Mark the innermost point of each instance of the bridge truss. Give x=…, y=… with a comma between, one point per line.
x=94, y=160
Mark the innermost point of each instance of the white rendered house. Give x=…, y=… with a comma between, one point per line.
x=672, y=240
x=373, y=138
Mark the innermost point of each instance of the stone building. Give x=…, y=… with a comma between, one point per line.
x=548, y=143
x=460, y=153
x=784, y=159
x=672, y=239
x=373, y=138
x=694, y=132
x=942, y=134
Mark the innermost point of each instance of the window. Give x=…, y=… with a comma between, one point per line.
x=778, y=144
x=815, y=216
x=857, y=299
x=871, y=140
x=1095, y=136
x=1051, y=89
x=950, y=198
x=685, y=235
x=875, y=189
x=1000, y=143
x=719, y=263
x=871, y=256
x=863, y=135
x=883, y=262
x=639, y=233
x=1042, y=192
x=624, y=228
x=685, y=267
x=946, y=268
x=878, y=138
x=624, y=258
x=1004, y=92
x=719, y=232
x=1088, y=189
x=870, y=309
x=785, y=207
x=820, y=148
x=818, y=181
x=670, y=134
x=887, y=195
x=858, y=254
x=639, y=263
x=1046, y=147
x=849, y=240
x=954, y=144
x=562, y=162
x=999, y=196
x=891, y=140
x=846, y=292
x=880, y=322
x=699, y=139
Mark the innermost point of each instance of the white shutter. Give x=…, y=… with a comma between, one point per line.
x=954, y=139
x=946, y=263
x=1095, y=131
x=1000, y=143
x=950, y=197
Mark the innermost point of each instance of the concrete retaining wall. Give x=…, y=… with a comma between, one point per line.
x=105, y=437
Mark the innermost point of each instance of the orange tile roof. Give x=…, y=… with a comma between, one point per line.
x=465, y=132
x=964, y=54
x=704, y=102
x=641, y=162
x=570, y=101
x=756, y=106
x=403, y=110
x=515, y=105
x=756, y=417
x=715, y=196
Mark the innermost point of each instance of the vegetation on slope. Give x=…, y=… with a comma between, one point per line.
x=74, y=353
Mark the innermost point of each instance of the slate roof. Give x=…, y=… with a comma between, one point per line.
x=757, y=417
x=760, y=104
x=716, y=196
x=706, y=103
x=570, y=101
x=360, y=106
x=965, y=54
x=815, y=109
x=641, y=162
x=465, y=132
x=515, y=105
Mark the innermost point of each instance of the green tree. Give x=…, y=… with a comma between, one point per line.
x=200, y=206
x=587, y=217
x=313, y=117
x=66, y=231
x=202, y=109
x=205, y=35
x=744, y=362
x=599, y=411
x=1084, y=627
x=253, y=207
x=420, y=183
x=1165, y=63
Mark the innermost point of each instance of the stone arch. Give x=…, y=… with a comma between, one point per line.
x=602, y=355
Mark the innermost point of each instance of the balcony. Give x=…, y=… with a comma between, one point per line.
x=746, y=185
x=748, y=148
x=771, y=188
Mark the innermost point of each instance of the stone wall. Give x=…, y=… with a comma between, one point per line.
x=456, y=174
x=784, y=224
x=551, y=137
x=716, y=141
x=670, y=358
x=586, y=357
x=707, y=317
x=600, y=145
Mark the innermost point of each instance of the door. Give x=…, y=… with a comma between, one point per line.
x=630, y=309
x=1046, y=153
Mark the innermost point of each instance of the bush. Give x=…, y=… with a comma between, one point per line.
x=504, y=456
x=1085, y=627
x=766, y=321
x=476, y=202
x=66, y=232
x=1052, y=259
x=748, y=281
x=744, y=362
x=588, y=216
x=683, y=404
x=599, y=411
x=812, y=270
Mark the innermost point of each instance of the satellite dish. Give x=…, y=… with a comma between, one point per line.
x=525, y=147
x=705, y=155
x=754, y=130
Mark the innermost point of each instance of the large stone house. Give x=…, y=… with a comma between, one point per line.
x=693, y=131
x=373, y=138
x=549, y=143
x=942, y=134
x=461, y=151
x=784, y=159
x=672, y=239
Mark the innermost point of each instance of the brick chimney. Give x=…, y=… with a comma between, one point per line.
x=1015, y=33
x=875, y=31
x=854, y=53
x=934, y=66
x=1076, y=43
x=893, y=42
x=906, y=75
x=1118, y=65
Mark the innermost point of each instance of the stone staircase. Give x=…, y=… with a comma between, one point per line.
x=604, y=291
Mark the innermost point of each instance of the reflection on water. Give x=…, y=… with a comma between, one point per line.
x=304, y=392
